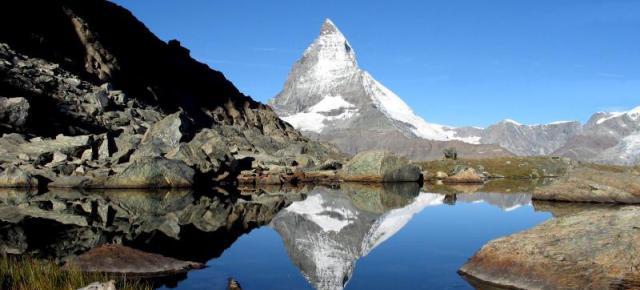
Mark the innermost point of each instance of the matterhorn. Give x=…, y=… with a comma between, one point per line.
x=328, y=97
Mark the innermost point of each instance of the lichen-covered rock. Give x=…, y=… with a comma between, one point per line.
x=150, y=172
x=593, y=249
x=13, y=176
x=379, y=166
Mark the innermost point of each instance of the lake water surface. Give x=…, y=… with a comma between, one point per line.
x=359, y=237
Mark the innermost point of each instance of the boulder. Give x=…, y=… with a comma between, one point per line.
x=467, y=175
x=593, y=249
x=150, y=172
x=110, y=285
x=13, y=176
x=170, y=130
x=587, y=184
x=194, y=157
x=13, y=112
x=119, y=259
x=379, y=166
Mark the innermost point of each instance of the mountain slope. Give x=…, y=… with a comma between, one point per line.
x=89, y=71
x=327, y=96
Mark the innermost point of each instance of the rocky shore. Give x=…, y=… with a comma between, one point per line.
x=594, y=184
x=592, y=249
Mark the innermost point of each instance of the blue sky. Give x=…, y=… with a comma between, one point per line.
x=455, y=62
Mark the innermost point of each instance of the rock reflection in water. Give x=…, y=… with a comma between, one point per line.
x=61, y=224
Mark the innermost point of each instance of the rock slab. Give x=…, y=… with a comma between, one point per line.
x=119, y=259
x=594, y=249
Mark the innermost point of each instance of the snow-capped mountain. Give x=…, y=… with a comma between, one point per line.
x=329, y=231
x=329, y=97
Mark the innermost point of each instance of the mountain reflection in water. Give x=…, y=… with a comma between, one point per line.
x=315, y=236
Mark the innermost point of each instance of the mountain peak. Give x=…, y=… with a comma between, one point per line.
x=328, y=27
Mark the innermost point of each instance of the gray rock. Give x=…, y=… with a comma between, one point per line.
x=170, y=130
x=150, y=172
x=110, y=285
x=13, y=112
x=379, y=166
x=13, y=176
x=194, y=157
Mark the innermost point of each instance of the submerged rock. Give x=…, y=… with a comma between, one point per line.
x=379, y=166
x=590, y=185
x=119, y=259
x=593, y=249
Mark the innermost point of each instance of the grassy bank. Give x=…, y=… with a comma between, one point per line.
x=32, y=274
x=508, y=167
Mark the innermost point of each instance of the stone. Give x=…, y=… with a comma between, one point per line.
x=13, y=112
x=170, y=130
x=150, y=172
x=592, y=249
x=119, y=259
x=194, y=157
x=379, y=166
x=441, y=175
x=110, y=285
x=69, y=182
x=587, y=184
x=467, y=175
x=13, y=176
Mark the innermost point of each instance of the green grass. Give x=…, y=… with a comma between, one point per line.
x=32, y=274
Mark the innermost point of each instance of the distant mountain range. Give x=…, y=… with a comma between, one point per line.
x=328, y=97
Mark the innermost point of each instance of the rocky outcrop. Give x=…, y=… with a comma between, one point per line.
x=587, y=184
x=379, y=166
x=594, y=249
x=118, y=259
x=92, y=91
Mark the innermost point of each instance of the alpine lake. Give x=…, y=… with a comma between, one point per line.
x=343, y=236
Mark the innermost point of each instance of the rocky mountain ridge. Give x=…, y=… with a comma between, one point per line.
x=90, y=98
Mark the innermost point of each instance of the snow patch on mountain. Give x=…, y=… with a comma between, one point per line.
x=395, y=108
x=634, y=114
x=314, y=118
